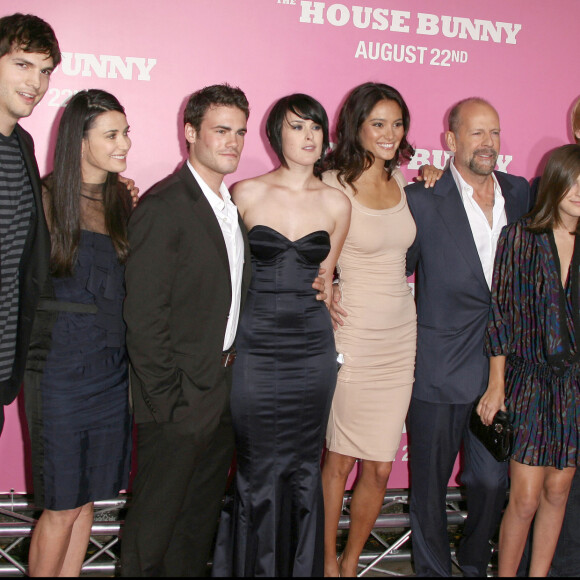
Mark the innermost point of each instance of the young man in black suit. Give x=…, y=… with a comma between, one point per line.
x=29, y=52
x=187, y=274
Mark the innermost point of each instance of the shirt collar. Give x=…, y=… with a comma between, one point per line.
x=465, y=188
x=214, y=200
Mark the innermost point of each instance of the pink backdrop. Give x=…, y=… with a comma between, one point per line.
x=518, y=54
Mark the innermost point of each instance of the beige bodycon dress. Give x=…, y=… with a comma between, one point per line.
x=379, y=336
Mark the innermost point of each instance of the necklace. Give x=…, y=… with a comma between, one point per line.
x=92, y=198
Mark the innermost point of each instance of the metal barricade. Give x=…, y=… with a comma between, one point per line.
x=16, y=524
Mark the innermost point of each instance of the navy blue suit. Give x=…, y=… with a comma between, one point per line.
x=451, y=372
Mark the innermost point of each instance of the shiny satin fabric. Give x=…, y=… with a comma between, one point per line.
x=284, y=379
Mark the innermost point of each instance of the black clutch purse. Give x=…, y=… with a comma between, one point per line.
x=498, y=437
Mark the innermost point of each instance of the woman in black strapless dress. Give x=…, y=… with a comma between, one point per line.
x=76, y=381
x=285, y=371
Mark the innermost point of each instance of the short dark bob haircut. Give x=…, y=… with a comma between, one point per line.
x=28, y=33
x=223, y=95
x=350, y=158
x=560, y=175
x=305, y=107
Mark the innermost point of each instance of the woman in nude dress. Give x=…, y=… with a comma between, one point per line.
x=378, y=337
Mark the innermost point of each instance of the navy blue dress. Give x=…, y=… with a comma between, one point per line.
x=76, y=383
x=283, y=382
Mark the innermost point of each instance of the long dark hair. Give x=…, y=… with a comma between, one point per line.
x=64, y=184
x=305, y=107
x=350, y=158
x=560, y=175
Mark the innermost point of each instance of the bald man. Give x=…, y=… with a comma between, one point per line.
x=458, y=224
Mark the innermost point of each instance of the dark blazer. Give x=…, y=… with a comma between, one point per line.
x=34, y=268
x=451, y=291
x=178, y=300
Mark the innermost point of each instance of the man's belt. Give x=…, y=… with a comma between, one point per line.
x=228, y=357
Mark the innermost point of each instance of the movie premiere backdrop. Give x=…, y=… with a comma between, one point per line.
x=522, y=55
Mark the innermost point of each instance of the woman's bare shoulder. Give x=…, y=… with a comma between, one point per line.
x=248, y=189
x=330, y=177
x=335, y=196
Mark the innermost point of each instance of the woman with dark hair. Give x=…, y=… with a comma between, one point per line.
x=285, y=370
x=76, y=381
x=566, y=561
x=377, y=339
x=532, y=341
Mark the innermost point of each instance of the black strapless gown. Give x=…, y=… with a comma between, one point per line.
x=283, y=381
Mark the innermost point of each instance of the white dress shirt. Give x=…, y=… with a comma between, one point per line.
x=485, y=237
x=227, y=216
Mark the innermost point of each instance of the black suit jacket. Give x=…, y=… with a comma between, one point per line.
x=34, y=268
x=178, y=300
x=451, y=291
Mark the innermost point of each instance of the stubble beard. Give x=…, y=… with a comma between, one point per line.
x=483, y=170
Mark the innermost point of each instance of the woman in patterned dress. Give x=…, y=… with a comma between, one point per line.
x=532, y=340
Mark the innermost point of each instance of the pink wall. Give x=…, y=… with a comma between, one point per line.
x=151, y=55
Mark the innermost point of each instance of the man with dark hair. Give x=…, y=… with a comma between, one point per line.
x=458, y=224
x=213, y=96
x=29, y=52
x=186, y=275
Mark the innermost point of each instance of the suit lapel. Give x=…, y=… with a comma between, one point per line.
x=30, y=162
x=207, y=217
x=513, y=205
x=453, y=215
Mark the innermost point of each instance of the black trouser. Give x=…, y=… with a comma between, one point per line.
x=436, y=432
x=177, y=493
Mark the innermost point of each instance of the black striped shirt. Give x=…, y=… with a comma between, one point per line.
x=16, y=203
